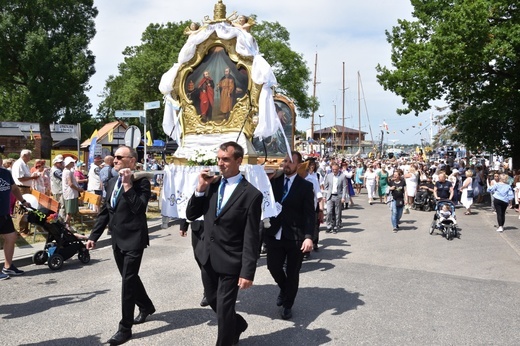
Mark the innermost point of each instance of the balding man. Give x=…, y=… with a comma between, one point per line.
x=21, y=172
x=107, y=171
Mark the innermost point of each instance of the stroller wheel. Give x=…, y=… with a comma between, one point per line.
x=432, y=227
x=427, y=207
x=40, y=257
x=84, y=256
x=55, y=261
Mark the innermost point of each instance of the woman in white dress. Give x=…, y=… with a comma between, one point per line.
x=412, y=181
x=370, y=183
x=467, y=185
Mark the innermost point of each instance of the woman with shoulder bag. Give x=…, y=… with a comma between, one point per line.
x=502, y=194
x=467, y=195
x=397, y=188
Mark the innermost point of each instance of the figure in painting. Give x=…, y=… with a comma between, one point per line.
x=207, y=96
x=227, y=92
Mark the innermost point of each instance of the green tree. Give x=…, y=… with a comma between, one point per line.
x=466, y=53
x=289, y=67
x=139, y=75
x=45, y=63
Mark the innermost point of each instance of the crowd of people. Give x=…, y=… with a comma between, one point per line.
x=309, y=194
x=400, y=182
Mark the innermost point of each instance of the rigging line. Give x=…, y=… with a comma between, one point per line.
x=424, y=128
x=366, y=108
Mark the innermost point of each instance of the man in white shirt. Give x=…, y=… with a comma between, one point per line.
x=94, y=181
x=21, y=172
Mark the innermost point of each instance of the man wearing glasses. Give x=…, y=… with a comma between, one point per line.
x=124, y=212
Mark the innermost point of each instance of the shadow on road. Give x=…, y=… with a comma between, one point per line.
x=44, y=304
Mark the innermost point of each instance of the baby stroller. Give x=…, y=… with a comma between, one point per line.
x=61, y=244
x=424, y=200
x=445, y=220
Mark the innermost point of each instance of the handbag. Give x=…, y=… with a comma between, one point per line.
x=399, y=202
x=469, y=193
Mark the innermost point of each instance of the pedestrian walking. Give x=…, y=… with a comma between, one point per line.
x=502, y=195
x=124, y=212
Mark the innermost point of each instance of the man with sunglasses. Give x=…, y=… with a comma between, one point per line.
x=124, y=212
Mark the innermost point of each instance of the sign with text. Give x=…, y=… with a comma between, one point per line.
x=152, y=105
x=129, y=114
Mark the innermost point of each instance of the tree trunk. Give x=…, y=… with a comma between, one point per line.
x=46, y=142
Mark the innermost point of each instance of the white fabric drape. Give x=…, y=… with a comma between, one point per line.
x=180, y=183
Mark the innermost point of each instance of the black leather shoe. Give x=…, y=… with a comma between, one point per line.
x=280, y=299
x=204, y=302
x=120, y=338
x=141, y=318
x=239, y=331
x=286, y=313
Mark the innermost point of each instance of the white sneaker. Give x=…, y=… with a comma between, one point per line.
x=500, y=229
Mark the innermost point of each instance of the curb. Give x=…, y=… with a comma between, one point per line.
x=105, y=241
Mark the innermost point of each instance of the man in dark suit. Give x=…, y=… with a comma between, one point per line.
x=124, y=212
x=291, y=232
x=232, y=210
x=197, y=229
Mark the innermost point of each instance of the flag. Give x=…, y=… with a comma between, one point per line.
x=149, y=137
x=32, y=137
x=92, y=150
x=94, y=135
x=111, y=135
x=385, y=125
x=333, y=130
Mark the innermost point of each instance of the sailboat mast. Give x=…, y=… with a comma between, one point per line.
x=343, y=112
x=359, y=110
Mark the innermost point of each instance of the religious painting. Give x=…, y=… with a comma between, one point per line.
x=215, y=86
x=274, y=146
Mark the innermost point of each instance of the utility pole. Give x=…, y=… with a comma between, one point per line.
x=336, y=129
x=314, y=96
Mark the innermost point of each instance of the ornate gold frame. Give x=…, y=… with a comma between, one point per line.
x=241, y=116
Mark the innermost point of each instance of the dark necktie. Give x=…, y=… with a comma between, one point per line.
x=286, y=186
x=117, y=188
x=221, y=190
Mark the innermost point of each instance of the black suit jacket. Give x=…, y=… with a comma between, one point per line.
x=231, y=240
x=127, y=221
x=298, y=214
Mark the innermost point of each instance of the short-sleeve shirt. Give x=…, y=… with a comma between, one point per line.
x=443, y=189
x=398, y=193
x=6, y=181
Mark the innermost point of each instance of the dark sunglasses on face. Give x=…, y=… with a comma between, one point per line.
x=119, y=157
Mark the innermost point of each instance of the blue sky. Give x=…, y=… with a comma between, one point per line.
x=338, y=31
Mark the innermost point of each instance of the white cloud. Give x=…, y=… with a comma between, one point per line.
x=339, y=31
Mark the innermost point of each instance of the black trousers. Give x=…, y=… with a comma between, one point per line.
x=133, y=292
x=500, y=208
x=221, y=292
x=278, y=253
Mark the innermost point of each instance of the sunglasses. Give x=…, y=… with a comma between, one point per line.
x=119, y=157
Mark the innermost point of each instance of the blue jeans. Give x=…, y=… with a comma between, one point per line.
x=397, y=213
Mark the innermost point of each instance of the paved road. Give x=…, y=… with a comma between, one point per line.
x=366, y=286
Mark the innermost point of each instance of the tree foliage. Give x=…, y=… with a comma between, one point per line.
x=45, y=63
x=139, y=75
x=465, y=53
x=289, y=67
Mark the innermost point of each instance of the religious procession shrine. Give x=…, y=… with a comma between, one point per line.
x=220, y=90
